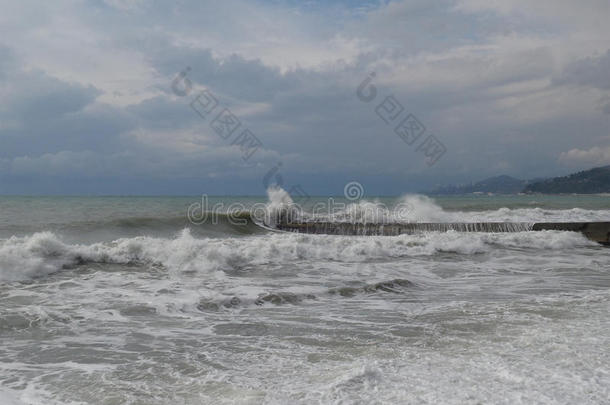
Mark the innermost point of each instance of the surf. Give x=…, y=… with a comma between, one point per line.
x=409, y=216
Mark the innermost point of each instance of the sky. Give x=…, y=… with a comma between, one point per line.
x=227, y=97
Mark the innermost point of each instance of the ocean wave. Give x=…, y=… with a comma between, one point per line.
x=409, y=209
x=44, y=253
x=422, y=209
x=394, y=286
x=262, y=217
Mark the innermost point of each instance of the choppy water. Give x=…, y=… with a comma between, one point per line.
x=109, y=300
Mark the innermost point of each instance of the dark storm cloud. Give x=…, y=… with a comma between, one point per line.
x=86, y=92
x=593, y=71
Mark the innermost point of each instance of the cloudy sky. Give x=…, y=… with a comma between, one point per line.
x=93, y=101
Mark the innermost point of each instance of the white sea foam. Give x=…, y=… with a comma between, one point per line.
x=369, y=212
x=43, y=253
x=420, y=208
x=9, y=397
x=178, y=318
x=280, y=208
x=534, y=215
x=31, y=256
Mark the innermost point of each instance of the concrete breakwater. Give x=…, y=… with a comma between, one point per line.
x=596, y=231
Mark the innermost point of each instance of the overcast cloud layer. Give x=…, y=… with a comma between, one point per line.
x=513, y=87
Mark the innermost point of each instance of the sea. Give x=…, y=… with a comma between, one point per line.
x=187, y=300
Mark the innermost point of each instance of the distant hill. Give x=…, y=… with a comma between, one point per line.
x=593, y=181
x=497, y=185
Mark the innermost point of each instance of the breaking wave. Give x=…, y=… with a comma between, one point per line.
x=44, y=253
x=233, y=240
x=410, y=209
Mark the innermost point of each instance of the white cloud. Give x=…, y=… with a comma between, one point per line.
x=595, y=156
x=509, y=82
